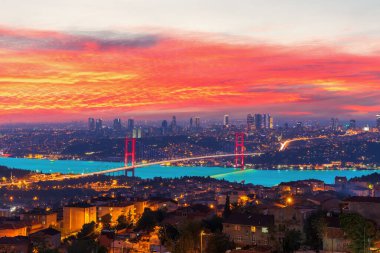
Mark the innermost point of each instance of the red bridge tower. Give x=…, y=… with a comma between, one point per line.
x=239, y=150
x=129, y=155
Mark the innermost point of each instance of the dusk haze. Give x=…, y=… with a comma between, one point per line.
x=189, y=126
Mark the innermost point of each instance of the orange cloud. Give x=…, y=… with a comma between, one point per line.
x=52, y=76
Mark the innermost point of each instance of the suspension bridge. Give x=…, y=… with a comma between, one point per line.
x=130, y=158
x=130, y=164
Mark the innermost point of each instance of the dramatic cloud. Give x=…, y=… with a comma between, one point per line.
x=25, y=40
x=50, y=76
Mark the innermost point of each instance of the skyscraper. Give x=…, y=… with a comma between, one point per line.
x=131, y=124
x=352, y=124
x=258, y=121
x=173, y=124
x=378, y=121
x=99, y=124
x=191, y=122
x=265, y=121
x=250, y=121
x=226, y=120
x=334, y=124
x=197, y=122
x=91, y=124
x=271, y=123
x=134, y=133
x=117, y=124
x=164, y=127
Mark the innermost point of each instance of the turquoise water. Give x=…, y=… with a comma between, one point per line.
x=262, y=177
x=274, y=177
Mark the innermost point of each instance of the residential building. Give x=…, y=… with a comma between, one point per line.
x=249, y=229
x=76, y=215
x=368, y=207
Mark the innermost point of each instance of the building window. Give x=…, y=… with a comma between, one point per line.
x=237, y=228
x=253, y=229
x=264, y=230
x=239, y=238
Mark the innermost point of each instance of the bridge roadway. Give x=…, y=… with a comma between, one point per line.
x=286, y=143
x=109, y=171
x=161, y=162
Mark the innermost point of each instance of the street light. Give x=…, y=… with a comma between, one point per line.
x=202, y=234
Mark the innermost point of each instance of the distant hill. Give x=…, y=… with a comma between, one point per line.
x=6, y=172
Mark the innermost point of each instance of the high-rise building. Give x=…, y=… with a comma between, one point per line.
x=334, y=124
x=378, y=121
x=265, y=118
x=164, y=127
x=98, y=124
x=173, y=124
x=197, y=122
x=299, y=125
x=191, y=122
x=117, y=124
x=91, y=124
x=258, y=121
x=131, y=124
x=250, y=121
x=226, y=120
x=271, y=123
x=352, y=124
x=139, y=133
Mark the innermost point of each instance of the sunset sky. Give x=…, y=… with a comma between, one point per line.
x=68, y=60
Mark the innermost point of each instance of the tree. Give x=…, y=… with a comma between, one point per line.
x=227, y=207
x=213, y=224
x=189, y=238
x=85, y=240
x=43, y=250
x=168, y=235
x=85, y=245
x=106, y=220
x=147, y=221
x=88, y=231
x=313, y=228
x=121, y=222
x=292, y=241
x=130, y=220
x=218, y=242
x=159, y=215
x=359, y=230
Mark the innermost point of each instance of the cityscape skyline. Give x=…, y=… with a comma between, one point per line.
x=193, y=126
x=219, y=119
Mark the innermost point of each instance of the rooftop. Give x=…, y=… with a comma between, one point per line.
x=250, y=219
x=47, y=231
x=80, y=205
x=38, y=211
x=363, y=199
x=14, y=240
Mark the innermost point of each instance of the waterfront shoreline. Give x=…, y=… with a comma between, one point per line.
x=266, y=177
